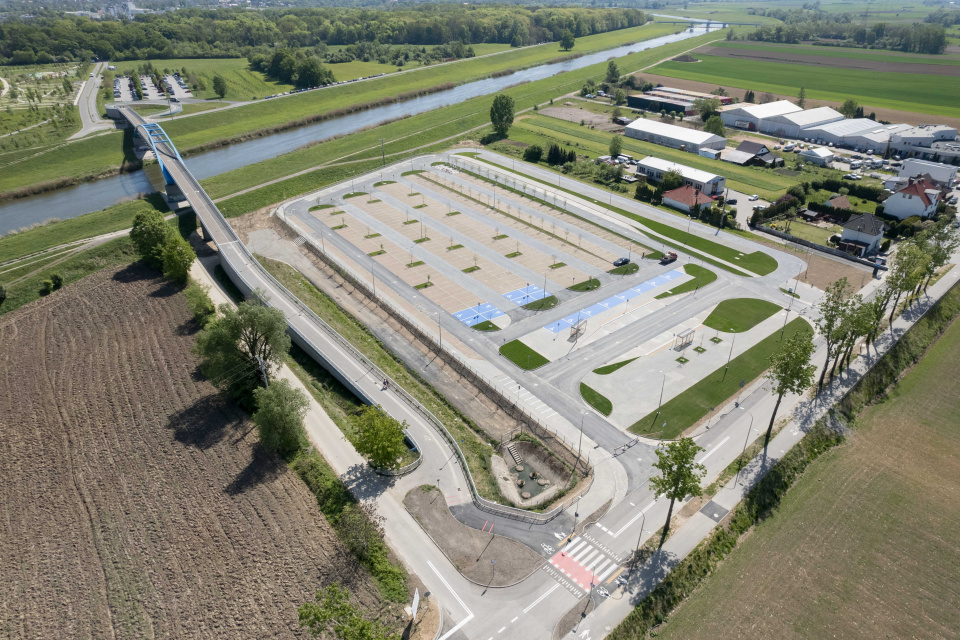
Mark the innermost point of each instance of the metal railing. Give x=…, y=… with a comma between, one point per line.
x=402, y=471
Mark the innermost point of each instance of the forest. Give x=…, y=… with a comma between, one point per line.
x=197, y=33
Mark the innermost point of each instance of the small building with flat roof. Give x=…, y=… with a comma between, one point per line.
x=703, y=181
x=821, y=156
x=670, y=135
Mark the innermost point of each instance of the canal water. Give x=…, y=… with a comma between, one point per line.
x=93, y=196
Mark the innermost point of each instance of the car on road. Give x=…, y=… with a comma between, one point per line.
x=753, y=198
x=172, y=99
x=952, y=200
x=621, y=262
x=732, y=201
x=668, y=257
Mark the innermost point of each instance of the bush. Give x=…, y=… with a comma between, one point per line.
x=46, y=287
x=3, y=293
x=885, y=245
x=56, y=280
x=198, y=299
x=533, y=153
x=177, y=256
x=279, y=417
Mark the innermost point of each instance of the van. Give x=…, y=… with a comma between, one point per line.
x=856, y=164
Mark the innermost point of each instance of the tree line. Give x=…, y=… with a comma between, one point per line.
x=914, y=38
x=50, y=36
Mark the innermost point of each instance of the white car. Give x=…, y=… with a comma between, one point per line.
x=753, y=198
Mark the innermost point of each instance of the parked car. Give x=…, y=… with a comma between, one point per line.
x=668, y=257
x=621, y=262
x=753, y=198
x=732, y=201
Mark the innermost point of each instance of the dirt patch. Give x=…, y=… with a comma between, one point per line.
x=890, y=115
x=138, y=501
x=468, y=549
x=822, y=270
x=790, y=57
x=427, y=624
x=572, y=114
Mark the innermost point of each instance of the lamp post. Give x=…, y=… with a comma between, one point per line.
x=745, y=440
x=660, y=401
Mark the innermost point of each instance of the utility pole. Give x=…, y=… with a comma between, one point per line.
x=730, y=355
x=383, y=157
x=262, y=367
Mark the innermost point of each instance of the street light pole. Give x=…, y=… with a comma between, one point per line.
x=745, y=440
x=730, y=355
x=660, y=401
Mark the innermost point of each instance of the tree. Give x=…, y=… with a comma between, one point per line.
x=380, y=438
x=332, y=612
x=619, y=96
x=219, y=85
x=802, y=98
x=616, y=145
x=941, y=242
x=680, y=475
x=533, y=153
x=714, y=125
x=766, y=97
x=178, y=256
x=235, y=346
x=56, y=280
x=707, y=107
x=279, y=417
x=617, y=113
x=566, y=40
x=148, y=233
x=833, y=309
x=790, y=370
x=3, y=294
x=613, y=72
x=671, y=180
x=849, y=108
x=906, y=271
x=749, y=96
x=501, y=114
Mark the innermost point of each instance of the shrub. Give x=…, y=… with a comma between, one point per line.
x=533, y=153
x=56, y=280
x=46, y=287
x=3, y=293
x=198, y=299
x=177, y=256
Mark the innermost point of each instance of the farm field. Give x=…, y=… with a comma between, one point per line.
x=922, y=93
x=864, y=545
x=203, y=129
x=719, y=11
x=836, y=56
x=138, y=501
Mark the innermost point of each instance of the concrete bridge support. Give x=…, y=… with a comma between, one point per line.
x=203, y=231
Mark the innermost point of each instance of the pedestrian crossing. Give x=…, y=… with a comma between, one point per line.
x=536, y=406
x=585, y=562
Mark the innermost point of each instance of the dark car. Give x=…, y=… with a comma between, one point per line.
x=620, y=262
x=732, y=201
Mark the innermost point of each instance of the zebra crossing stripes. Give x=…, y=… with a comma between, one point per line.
x=584, y=563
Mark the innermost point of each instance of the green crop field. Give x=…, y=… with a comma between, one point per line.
x=920, y=93
x=188, y=133
x=864, y=545
x=849, y=53
x=719, y=11
x=686, y=409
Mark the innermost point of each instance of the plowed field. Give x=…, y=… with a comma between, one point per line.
x=136, y=503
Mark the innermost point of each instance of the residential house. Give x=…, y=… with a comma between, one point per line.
x=943, y=175
x=686, y=198
x=760, y=154
x=862, y=234
x=919, y=198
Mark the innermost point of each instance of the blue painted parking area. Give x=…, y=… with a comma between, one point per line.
x=526, y=295
x=479, y=313
x=609, y=303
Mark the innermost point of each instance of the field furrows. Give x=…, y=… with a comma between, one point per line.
x=137, y=501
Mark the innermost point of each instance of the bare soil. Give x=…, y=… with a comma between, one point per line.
x=138, y=502
x=822, y=270
x=469, y=549
x=890, y=115
x=832, y=63
x=573, y=114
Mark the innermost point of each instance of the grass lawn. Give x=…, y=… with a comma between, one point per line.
x=486, y=325
x=587, y=285
x=243, y=83
x=521, y=355
x=740, y=314
x=625, y=270
x=864, y=545
x=475, y=449
x=809, y=232
x=701, y=278
x=920, y=93
x=686, y=409
x=596, y=399
x=610, y=368
x=548, y=302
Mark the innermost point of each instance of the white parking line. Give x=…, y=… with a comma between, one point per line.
x=469, y=613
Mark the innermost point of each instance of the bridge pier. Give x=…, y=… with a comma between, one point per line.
x=203, y=231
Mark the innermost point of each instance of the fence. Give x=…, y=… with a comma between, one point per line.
x=818, y=247
x=410, y=468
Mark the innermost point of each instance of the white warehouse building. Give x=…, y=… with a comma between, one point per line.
x=749, y=116
x=670, y=135
x=856, y=133
x=704, y=181
x=789, y=125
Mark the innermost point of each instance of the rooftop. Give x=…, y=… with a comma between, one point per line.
x=865, y=223
x=687, y=195
x=695, y=175
x=768, y=110
x=846, y=127
x=672, y=131
x=812, y=116
x=820, y=152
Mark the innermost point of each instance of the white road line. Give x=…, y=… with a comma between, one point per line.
x=582, y=553
x=501, y=629
x=540, y=599
x=576, y=548
x=601, y=566
x=711, y=452
x=589, y=567
x=603, y=575
x=587, y=558
x=634, y=519
x=514, y=620
x=469, y=613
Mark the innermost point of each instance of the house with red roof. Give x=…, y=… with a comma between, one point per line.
x=919, y=198
x=686, y=198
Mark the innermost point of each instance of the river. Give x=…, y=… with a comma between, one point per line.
x=100, y=194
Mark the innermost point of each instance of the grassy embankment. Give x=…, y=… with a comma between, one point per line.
x=920, y=93
x=476, y=450
x=701, y=278
x=880, y=559
x=263, y=117
x=596, y=399
x=684, y=410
